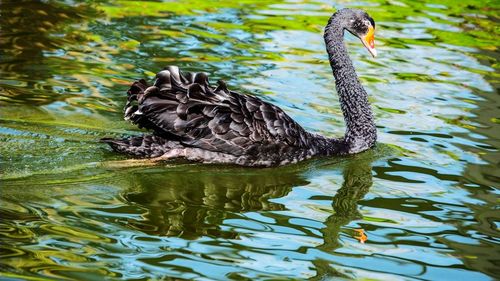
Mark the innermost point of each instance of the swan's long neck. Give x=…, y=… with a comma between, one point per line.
x=360, y=132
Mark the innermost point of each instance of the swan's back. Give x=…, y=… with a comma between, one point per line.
x=193, y=120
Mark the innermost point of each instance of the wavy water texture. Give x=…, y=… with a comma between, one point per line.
x=420, y=206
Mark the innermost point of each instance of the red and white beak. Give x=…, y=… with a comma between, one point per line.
x=369, y=41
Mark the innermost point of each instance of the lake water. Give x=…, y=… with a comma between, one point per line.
x=422, y=205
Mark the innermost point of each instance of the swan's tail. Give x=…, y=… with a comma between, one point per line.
x=148, y=146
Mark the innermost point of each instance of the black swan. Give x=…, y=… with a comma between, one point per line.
x=195, y=121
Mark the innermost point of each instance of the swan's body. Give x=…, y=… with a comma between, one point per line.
x=198, y=122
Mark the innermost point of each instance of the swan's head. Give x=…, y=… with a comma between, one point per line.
x=361, y=25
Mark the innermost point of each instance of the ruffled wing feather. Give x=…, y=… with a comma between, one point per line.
x=188, y=109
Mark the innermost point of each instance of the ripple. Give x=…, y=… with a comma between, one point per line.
x=425, y=199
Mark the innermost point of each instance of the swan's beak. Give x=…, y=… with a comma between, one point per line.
x=369, y=41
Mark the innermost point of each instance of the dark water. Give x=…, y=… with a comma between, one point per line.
x=426, y=198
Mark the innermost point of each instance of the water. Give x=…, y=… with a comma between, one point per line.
x=422, y=205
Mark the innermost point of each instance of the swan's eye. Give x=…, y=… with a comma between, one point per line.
x=372, y=22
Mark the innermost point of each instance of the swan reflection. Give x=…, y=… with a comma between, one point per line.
x=195, y=203
x=356, y=184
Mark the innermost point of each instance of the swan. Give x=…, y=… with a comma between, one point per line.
x=196, y=121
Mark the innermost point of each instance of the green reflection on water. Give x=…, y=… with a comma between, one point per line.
x=426, y=197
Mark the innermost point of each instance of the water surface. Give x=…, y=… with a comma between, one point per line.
x=423, y=205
